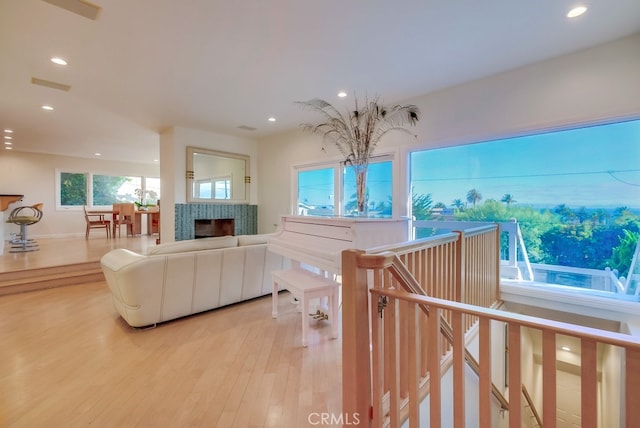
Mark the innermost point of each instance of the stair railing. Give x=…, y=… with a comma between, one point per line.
x=393, y=342
x=531, y=405
x=462, y=266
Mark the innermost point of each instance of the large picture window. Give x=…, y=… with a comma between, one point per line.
x=575, y=193
x=108, y=189
x=76, y=189
x=330, y=189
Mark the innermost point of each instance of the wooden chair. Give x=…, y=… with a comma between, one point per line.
x=126, y=216
x=96, y=221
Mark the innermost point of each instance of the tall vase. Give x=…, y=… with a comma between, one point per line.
x=361, y=188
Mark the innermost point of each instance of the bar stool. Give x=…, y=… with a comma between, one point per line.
x=25, y=216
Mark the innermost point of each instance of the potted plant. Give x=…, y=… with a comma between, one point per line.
x=356, y=133
x=142, y=205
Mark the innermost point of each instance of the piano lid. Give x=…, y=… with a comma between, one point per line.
x=319, y=241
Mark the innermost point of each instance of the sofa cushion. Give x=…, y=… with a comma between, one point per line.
x=194, y=245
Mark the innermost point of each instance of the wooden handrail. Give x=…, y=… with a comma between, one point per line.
x=400, y=272
x=589, y=336
x=532, y=406
x=463, y=276
x=455, y=266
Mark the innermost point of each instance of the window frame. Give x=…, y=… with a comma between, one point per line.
x=517, y=135
x=88, y=189
x=338, y=182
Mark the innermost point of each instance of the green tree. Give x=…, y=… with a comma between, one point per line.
x=473, y=197
x=105, y=189
x=587, y=245
x=73, y=189
x=384, y=208
x=421, y=208
x=421, y=205
x=622, y=254
x=566, y=214
x=623, y=215
x=458, y=204
x=533, y=223
x=507, y=198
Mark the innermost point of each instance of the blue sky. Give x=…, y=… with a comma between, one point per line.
x=597, y=166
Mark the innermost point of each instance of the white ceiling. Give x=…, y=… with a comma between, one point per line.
x=144, y=65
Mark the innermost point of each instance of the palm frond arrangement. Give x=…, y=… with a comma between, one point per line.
x=357, y=133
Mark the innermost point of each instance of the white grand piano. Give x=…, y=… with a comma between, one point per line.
x=319, y=241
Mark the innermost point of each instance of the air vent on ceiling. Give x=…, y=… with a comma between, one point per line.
x=246, y=128
x=50, y=84
x=80, y=7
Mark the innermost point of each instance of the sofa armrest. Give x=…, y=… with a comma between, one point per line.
x=115, y=260
x=136, y=284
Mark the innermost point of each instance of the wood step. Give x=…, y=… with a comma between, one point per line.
x=49, y=277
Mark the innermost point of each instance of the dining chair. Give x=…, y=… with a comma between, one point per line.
x=126, y=216
x=96, y=221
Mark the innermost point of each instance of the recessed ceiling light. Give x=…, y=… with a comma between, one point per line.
x=565, y=348
x=98, y=154
x=576, y=11
x=6, y=137
x=8, y=131
x=272, y=119
x=58, y=60
x=8, y=143
x=49, y=108
x=8, y=148
x=342, y=94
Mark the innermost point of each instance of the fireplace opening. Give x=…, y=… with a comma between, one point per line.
x=208, y=228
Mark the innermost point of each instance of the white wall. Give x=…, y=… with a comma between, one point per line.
x=611, y=388
x=34, y=176
x=598, y=84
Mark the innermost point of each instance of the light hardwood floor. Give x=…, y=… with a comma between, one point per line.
x=63, y=251
x=68, y=360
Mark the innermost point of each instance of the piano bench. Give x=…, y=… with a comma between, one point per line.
x=306, y=285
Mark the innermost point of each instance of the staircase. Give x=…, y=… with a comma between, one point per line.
x=49, y=277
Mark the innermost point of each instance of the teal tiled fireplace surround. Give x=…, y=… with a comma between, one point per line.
x=245, y=216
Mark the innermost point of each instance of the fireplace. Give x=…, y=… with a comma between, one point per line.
x=207, y=228
x=245, y=216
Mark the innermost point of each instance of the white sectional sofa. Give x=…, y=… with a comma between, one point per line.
x=181, y=278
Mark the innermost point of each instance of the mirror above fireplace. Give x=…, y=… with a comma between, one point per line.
x=214, y=176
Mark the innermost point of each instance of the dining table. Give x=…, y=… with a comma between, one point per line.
x=153, y=221
x=153, y=217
